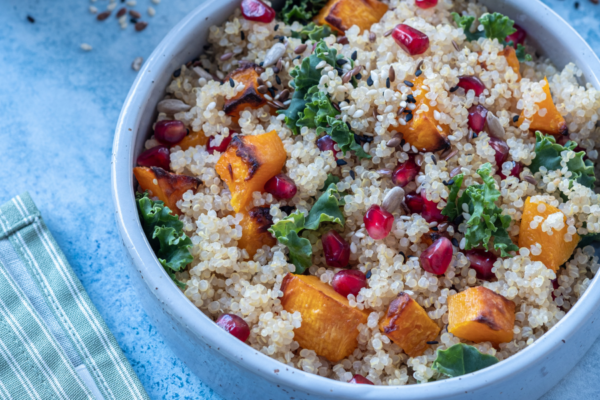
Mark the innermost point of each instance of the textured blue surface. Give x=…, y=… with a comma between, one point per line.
x=58, y=109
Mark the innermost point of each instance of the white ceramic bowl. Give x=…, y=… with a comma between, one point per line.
x=235, y=370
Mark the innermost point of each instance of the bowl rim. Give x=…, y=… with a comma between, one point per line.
x=183, y=310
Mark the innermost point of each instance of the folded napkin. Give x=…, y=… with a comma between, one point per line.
x=53, y=342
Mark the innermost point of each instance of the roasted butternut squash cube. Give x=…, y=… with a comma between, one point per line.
x=168, y=187
x=329, y=324
x=552, y=122
x=248, y=163
x=249, y=97
x=408, y=325
x=193, y=139
x=421, y=131
x=480, y=315
x=341, y=15
x=511, y=58
x=555, y=249
x=255, y=232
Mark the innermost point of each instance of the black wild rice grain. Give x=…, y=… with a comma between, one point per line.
x=432, y=342
x=454, y=242
x=341, y=61
x=387, y=83
x=418, y=73
x=276, y=27
x=177, y=73
x=354, y=55
x=272, y=91
x=296, y=58
x=242, y=35
x=453, y=89
x=434, y=159
x=369, y=81
x=278, y=79
x=231, y=82
x=353, y=174
x=515, y=118
x=409, y=83
x=368, y=274
x=434, y=228
x=411, y=99
x=31, y=19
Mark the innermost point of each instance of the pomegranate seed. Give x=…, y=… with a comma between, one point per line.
x=426, y=3
x=281, y=186
x=256, y=10
x=517, y=37
x=378, y=222
x=562, y=140
x=326, y=143
x=349, y=281
x=169, y=132
x=470, y=82
x=234, y=325
x=221, y=147
x=477, y=115
x=431, y=212
x=515, y=171
x=405, y=173
x=336, y=249
x=414, y=202
x=555, y=286
x=360, y=380
x=155, y=157
x=436, y=258
x=410, y=39
x=501, y=149
x=482, y=262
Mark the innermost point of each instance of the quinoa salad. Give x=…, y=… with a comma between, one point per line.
x=375, y=191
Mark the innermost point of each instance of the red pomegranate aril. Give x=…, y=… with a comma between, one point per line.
x=155, y=157
x=517, y=37
x=426, y=3
x=336, y=249
x=360, y=380
x=410, y=39
x=437, y=257
x=430, y=211
x=256, y=10
x=405, y=172
x=378, y=222
x=414, y=202
x=325, y=143
x=349, y=281
x=501, y=149
x=221, y=147
x=515, y=171
x=563, y=139
x=470, y=82
x=281, y=186
x=555, y=286
x=482, y=262
x=477, y=115
x=169, y=132
x=234, y=325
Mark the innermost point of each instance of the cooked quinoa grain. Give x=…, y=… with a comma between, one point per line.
x=222, y=277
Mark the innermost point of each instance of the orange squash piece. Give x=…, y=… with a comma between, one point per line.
x=555, y=250
x=341, y=15
x=193, y=139
x=329, y=324
x=408, y=325
x=421, y=131
x=552, y=123
x=168, y=187
x=255, y=232
x=249, y=97
x=511, y=58
x=480, y=315
x=248, y=163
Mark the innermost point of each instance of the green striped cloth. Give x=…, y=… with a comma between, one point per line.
x=53, y=342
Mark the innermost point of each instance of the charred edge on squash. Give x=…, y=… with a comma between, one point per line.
x=395, y=309
x=246, y=152
x=286, y=282
x=230, y=169
x=488, y=320
x=335, y=22
x=250, y=98
x=173, y=180
x=262, y=217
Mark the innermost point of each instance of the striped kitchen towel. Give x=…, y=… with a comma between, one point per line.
x=53, y=342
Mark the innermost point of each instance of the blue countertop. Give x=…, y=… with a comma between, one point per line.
x=58, y=109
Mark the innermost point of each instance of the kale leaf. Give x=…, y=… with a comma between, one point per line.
x=300, y=10
x=465, y=22
x=325, y=209
x=495, y=26
x=522, y=56
x=486, y=219
x=461, y=359
x=165, y=234
x=548, y=155
x=313, y=32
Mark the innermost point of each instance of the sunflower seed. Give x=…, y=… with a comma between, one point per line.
x=283, y=96
x=451, y=154
x=388, y=33
x=395, y=141
x=202, y=73
x=343, y=40
x=419, y=160
x=393, y=199
x=137, y=63
x=455, y=172
x=530, y=179
x=279, y=65
x=372, y=37
x=496, y=128
x=419, y=65
x=300, y=49
x=346, y=77
x=384, y=171
x=172, y=106
x=442, y=227
x=275, y=104
x=262, y=89
x=140, y=26
x=455, y=45
x=356, y=70
x=121, y=12
x=226, y=56
x=135, y=14
x=274, y=54
x=103, y=15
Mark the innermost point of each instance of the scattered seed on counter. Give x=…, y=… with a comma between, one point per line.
x=131, y=3
x=93, y=9
x=151, y=11
x=137, y=63
x=103, y=15
x=140, y=26
x=85, y=47
x=135, y=14
x=156, y=1
x=121, y=12
x=111, y=6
